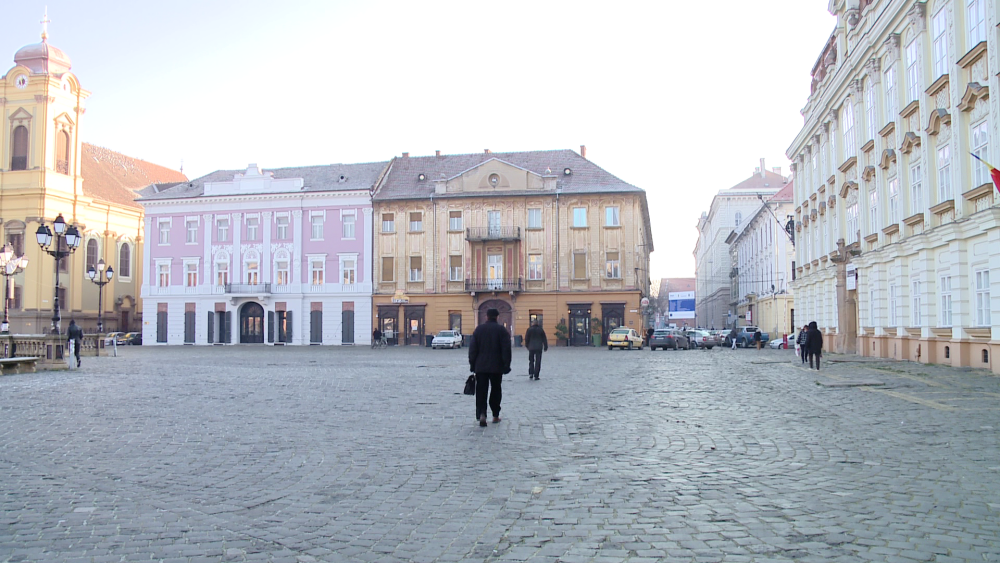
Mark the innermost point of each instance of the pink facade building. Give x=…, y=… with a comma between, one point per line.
x=266, y=257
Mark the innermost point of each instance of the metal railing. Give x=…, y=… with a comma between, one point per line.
x=496, y=284
x=255, y=288
x=492, y=233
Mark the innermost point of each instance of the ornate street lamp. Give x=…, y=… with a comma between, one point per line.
x=101, y=278
x=67, y=240
x=10, y=265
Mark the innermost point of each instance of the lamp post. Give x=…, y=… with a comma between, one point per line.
x=101, y=278
x=10, y=265
x=67, y=240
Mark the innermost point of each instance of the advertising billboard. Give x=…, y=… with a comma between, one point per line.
x=681, y=305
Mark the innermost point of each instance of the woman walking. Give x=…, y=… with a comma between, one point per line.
x=801, y=341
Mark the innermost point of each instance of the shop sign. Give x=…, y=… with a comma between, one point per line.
x=400, y=297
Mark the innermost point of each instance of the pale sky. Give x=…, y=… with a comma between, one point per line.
x=681, y=99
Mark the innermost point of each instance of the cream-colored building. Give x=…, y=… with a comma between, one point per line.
x=897, y=225
x=762, y=259
x=544, y=235
x=713, y=265
x=45, y=171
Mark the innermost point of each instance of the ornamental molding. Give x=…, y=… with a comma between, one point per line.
x=910, y=141
x=297, y=213
x=917, y=17
x=888, y=157
x=222, y=248
x=286, y=246
x=868, y=173
x=257, y=247
x=940, y=84
x=854, y=89
x=973, y=93
x=874, y=69
x=938, y=117
x=891, y=46
x=847, y=188
x=41, y=99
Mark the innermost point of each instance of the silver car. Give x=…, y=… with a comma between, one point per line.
x=703, y=339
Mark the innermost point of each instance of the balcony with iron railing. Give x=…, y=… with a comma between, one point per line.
x=248, y=288
x=495, y=233
x=495, y=284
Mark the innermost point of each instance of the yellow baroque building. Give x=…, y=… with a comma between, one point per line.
x=539, y=235
x=45, y=171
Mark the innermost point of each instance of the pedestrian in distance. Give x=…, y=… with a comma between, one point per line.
x=756, y=338
x=74, y=334
x=536, y=342
x=732, y=336
x=649, y=335
x=801, y=341
x=376, y=337
x=489, y=359
x=815, y=344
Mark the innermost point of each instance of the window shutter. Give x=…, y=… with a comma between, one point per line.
x=228, y=328
x=270, y=327
x=211, y=327
x=316, y=327
x=288, y=326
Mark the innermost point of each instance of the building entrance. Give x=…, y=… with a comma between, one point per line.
x=506, y=317
x=252, y=324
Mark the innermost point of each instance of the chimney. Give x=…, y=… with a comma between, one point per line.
x=487, y=151
x=437, y=153
x=583, y=151
x=776, y=170
x=406, y=155
x=762, y=169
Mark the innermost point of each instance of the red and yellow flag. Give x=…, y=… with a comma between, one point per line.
x=994, y=173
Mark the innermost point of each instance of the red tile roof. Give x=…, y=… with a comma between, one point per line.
x=770, y=181
x=113, y=177
x=785, y=193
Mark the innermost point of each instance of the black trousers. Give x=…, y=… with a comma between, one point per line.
x=804, y=352
x=817, y=356
x=534, y=362
x=483, y=382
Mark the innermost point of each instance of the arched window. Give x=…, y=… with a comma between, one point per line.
x=91, y=253
x=124, y=261
x=62, y=152
x=19, y=154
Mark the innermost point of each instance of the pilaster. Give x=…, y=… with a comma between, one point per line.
x=365, y=274
x=296, y=265
x=208, y=266
x=266, y=266
x=237, y=262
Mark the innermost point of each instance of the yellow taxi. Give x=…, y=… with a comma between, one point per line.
x=624, y=338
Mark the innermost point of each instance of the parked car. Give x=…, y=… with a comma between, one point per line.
x=112, y=337
x=624, y=338
x=703, y=339
x=778, y=343
x=667, y=338
x=447, y=339
x=135, y=339
x=745, y=337
x=123, y=338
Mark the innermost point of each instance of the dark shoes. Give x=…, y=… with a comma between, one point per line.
x=482, y=420
x=496, y=419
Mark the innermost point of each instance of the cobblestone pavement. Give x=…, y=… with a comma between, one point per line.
x=329, y=454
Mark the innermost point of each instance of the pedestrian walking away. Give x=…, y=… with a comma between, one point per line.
x=649, y=334
x=815, y=344
x=756, y=338
x=489, y=359
x=74, y=334
x=801, y=341
x=536, y=342
x=732, y=336
x=376, y=337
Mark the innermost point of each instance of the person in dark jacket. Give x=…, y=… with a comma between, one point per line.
x=649, y=334
x=814, y=343
x=801, y=341
x=74, y=334
x=756, y=338
x=489, y=358
x=535, y=341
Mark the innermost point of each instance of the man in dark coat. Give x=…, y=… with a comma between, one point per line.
x=489, y=358
x=814, y=342
x=74, y=334
x=535, y=341
x=756, y=338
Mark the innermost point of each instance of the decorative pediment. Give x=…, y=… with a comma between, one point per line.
x=868, y=173
x=868, y=146
x=910, y=109
x=940, y=84
x=848, y=164
x=20, y=116
x=65, y=120
x=910, y=140
x=888, y=156
x=846, y=189
x=938, y=117
x=889, y=129
x=973, y=93
x=495, y=174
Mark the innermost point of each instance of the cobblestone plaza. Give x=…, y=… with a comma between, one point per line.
x=186, y=454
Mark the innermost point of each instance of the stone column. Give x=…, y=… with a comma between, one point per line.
x=846, y=341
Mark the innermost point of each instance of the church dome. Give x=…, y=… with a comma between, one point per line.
x=43, y=58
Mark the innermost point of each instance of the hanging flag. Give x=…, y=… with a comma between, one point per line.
x=994, y=173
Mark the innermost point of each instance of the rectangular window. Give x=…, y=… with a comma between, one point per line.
x=16, y=241
x=535, y=267
x=976, y=22
x=493, y=222
x=893, y=305
x=416, y=269
x=871, y=108
x=611, y=217
x=281, y=272
x=281, y=232
x=164, y=231
x=416, y=222
x=349, y=270
x=915, y=316
x=916, y=190
x=980, y=147
x=164, y=271
x=893, y=201
x=944, y=173
x=316, y=221
x=890, y=93
x=317, y=271
x=388, y=223
x=944, y=290
x=222, y=230
x=252, y=228
x=814, y=159
x=455, y=268
x=913, y=78
x=252, y=272
x=579, y=266
x=534, y=218
x=454, y=220
x=388, y=269
x=939, y=48
x=612, y=269
x=849, y=144
x=983, y=298
x=852, y=224
x=579, y=216
x=191, y=274
x=348, y=232
x=222, y=273
x=192, y=232
x=823, y=154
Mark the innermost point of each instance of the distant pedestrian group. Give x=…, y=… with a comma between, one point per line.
x=810, y=341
